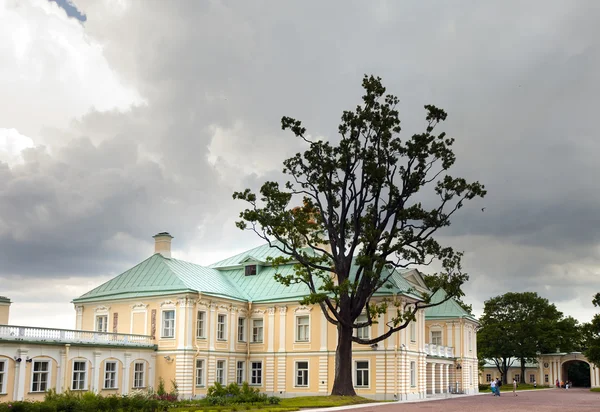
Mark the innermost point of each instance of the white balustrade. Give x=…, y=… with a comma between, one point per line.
x=29, y=333
x=439, y=350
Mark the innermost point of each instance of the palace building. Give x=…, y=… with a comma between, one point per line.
x=231, y=322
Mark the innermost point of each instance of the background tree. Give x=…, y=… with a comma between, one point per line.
x=363, y=195
x=521, y=326
x=592, y=335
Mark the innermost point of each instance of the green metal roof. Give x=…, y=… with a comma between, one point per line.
x=448, y=309
x=158, y=275
x=259, y=254
x=4, y=299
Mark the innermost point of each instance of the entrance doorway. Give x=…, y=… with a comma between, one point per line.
x=578, y=372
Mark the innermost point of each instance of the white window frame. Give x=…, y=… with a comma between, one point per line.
x=105, y=323
x=241, y=329
x=3, y=375
x=200, y=373
x=413, y=331
x=163, y=335
x=256, y=380
x=136, y=378
x=441, y=336
x=488, y=377
x=303, y=373
x=368, y=374
x=413, y=374
x=302, y=329
x=47, y=373
x=222, y=370
x=365, y=331
x=115, y=374
x=262, y=330
x=201, y=324
x=240, y=372
x=221, y=326
x=81, y=383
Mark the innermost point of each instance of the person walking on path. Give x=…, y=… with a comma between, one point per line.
x=493, y=387
x=515, y=387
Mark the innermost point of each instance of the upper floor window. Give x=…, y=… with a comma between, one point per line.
x=221, y=326
x=102, y=323
x=201, y=325
x=242, y=329
x=257, y=330
x=168, y=324
x=413, y=331
x=436, y=337
x=3, y=372
x=138, y=375
x=250, y=270
x=302, y=328
x=79, y=372
x=40, y=376
x=362, y=333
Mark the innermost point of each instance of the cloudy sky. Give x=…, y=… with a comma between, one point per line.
x=120, y=119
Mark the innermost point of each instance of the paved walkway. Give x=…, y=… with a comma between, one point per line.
x=550, y=400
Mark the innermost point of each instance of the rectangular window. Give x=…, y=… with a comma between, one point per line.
x=488, y=377
x=413, y=331
x=546, y=379
x=168, y=324
x=221, y=326
x=79, y=369
x=302, y=373
x=110, y=375
x=257, y=330
x=531, y=378
x=250, y=270
x=302, y=328
x=518, y=378
x=220, y=378
x=102, y=323
x=3, y=372
x=413, y=374
x=242, y=329
x=138, y=375
x=256, y=373
x=39, y=380
x=362, y=374
x=470, y=343
x=436, y=337
x=201, y=325
x=240, y=372
x=362, y=333
x=199, y=372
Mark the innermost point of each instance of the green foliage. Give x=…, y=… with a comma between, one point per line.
x=220, y=395
x=323, y=401
x=591, y=334
x=518, y=326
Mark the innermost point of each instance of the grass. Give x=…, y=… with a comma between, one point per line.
x=595, y=390
x=521, y=387
x=322, y=401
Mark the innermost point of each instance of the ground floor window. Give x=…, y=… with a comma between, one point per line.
x=39, y=379
x=110, y=375
x=362, y=374
x=256, y=373
x=518, y=378
x=2, y=376
x=220, y=372
x=488, y=377
x=413, y=374
x=546, y=379
x=531, y=378
x=239, y=372
x=199, y=372
x=79, y=375
x=138, y=375
x=302, y=373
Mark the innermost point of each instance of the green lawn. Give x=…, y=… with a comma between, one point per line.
x=521, y=387
x=286, y=405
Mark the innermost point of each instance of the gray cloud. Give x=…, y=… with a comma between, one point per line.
x=518, y=80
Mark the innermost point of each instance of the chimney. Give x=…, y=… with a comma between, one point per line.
x=162, y=244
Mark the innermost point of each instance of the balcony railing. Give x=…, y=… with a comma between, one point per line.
x=29, y=333
x=438, y=350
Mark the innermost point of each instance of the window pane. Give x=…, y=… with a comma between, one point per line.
x=200, y=324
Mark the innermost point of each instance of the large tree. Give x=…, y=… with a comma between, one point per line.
x=364, y=195
x=592, y=335
x=520, y=326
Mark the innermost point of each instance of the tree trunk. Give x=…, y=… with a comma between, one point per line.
x=522, y=370
x=342, y=385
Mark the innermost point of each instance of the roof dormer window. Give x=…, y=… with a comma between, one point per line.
x=250, y=270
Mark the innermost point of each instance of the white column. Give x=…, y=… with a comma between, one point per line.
x=95, y=372
x=449, y=340
x=281, y=357
x=433, y=378
x=270, y=358
x=126, y=366
x=282, y=321
x=232, y=328
x=152, y=371
x=457, y=346
x=211, y=329
x=61, y=370
x=184, y=323
x=20, y=375
x=441, y=384
x=79, y=317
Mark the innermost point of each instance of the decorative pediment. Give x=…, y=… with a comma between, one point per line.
x=251, y=259
x=223, y=307
x=202, y=304
x=283, y=310
x=139, y=306
x=243, y=312
x=436, y=325
x=259, y=311
x=102, y=309
x=168, y=304
x=303, y=309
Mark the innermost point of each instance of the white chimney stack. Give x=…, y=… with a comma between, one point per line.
x=162, y=244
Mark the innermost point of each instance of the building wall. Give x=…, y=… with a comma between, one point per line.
x=4, y=311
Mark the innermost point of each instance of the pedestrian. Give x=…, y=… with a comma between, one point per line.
x=498, y=386
x=557, y=384
x=493, y=387
x=515, y=387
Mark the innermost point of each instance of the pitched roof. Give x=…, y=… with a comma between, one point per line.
x=259, y=254
x=4, y=299
x=448, y=309
x=159, y=275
